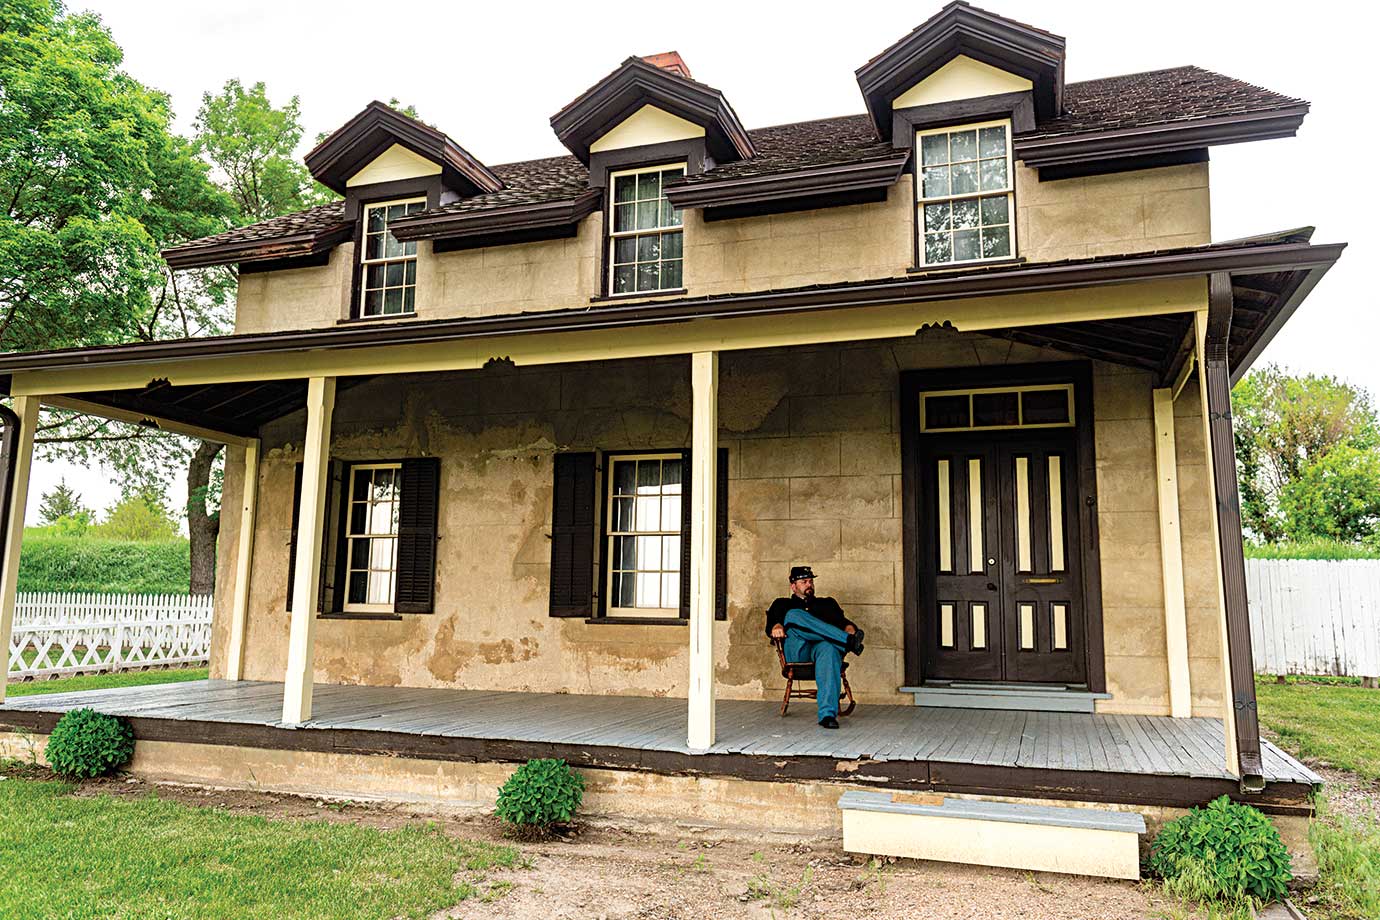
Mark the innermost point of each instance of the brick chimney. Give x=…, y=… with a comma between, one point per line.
x=669, y=61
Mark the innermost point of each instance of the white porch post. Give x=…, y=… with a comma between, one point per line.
x=704, y=449
x=26, y=407
x=306, y=582
x=1171, y=557
x=239, y=611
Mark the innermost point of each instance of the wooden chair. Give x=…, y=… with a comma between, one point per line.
x=796, y=671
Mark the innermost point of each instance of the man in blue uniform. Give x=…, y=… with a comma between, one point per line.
x=815, y=629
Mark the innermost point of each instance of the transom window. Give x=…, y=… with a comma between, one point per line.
x=644, y=534
x=1009, y=407
x=646, y=240
x=389, y=267
x=372, y=537
x=964, y=190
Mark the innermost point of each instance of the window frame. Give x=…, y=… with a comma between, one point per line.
x=1019, y=390
x=921, y=200
x=611, y=236
x=363, y=262
x=609, y=609
x=347, y=501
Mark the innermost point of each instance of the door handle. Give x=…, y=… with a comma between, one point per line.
x=991, y=586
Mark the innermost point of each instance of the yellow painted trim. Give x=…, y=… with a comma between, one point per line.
x=397, y=162
x=962, y=78
x=973, y=314
x=1055, y=487
x=1171, y=556
x=977, y=539
x=306, y=579
x=946, y=531
x=1228, y=712
x=704, y=450
x=648, y=125
x=138, y=418
x=26, y=407
x=1024, y=561
x=244, y=562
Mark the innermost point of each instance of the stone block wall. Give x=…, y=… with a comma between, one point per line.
x=814, y=477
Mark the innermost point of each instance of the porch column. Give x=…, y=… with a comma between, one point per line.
x=26, y=411
x=704, y=449
x=1239, y=712
x=1171, y=556
x=239, y=610
x=306, y=580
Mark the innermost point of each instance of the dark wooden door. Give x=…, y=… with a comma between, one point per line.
x=1000, y=557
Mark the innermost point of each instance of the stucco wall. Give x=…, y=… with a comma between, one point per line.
x=1072, y=218
x=814, y=477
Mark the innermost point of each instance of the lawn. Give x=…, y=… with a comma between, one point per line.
x=104, y=681
x=68, y=856
x=1333, y=721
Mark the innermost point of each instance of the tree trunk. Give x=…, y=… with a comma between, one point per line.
x=202, y=527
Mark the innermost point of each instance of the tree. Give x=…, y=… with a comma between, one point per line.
x=1284, y=424
x=60, y=502
x=1336, y=497
x=141, y=514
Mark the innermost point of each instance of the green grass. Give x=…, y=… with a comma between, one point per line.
x=1311, y=549
x=1348, y=866
x=118, y=859
x=104, y=681
x=1332, y=722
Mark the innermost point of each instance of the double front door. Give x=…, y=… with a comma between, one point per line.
x=1001, y=557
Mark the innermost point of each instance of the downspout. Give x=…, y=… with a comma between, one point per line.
x=9, y=443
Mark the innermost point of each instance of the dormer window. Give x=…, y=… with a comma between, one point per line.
x=964, y=190
x=646, y=242
x=388, y=267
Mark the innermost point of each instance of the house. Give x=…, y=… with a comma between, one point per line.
x=520, y=452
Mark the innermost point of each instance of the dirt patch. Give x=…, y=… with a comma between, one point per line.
x=678, y=873
x=1349, y=794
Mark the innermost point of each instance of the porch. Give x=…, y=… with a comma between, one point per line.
x=1127, y=759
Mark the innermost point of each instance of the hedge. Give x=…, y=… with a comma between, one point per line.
x=1311, y=549
x=50, y=563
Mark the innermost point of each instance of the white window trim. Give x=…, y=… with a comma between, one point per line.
x=1020, y=407
x=1009, y=191
x=614, y=236
x=350, y=536
x=365, y=261
x=610, y=610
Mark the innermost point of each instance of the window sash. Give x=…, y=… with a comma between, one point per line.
x=980, y=196
x=667, y=236
x=665, y=567
x=966, y=398
x=404, y=279
x=372, y=572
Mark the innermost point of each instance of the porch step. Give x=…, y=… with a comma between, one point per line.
x=1045, y=838
x=974, y=695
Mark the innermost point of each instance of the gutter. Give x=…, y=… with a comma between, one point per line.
x=832, y=179
x=509, y=219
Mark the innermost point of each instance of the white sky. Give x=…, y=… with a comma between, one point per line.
x=784, y=62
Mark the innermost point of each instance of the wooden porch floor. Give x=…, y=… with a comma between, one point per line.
x=1027, y=741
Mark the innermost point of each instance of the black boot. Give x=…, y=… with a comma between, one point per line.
x=828, y=722
x=855, y=641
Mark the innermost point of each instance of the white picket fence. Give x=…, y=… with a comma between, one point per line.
x=1315, y=616
x=57, y=634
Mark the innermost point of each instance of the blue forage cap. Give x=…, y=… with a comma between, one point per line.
x=801, y=571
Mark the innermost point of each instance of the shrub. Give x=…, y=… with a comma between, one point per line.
x=90, y=564
x=1226, y=852
x=89, y=743
x=540, y=794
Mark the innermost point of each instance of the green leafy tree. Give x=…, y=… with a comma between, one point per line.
x=1335, y=497
x=1283, y=425
x=60, y=502
x=140, y=515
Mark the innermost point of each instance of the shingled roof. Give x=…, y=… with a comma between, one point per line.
x=1180, y=96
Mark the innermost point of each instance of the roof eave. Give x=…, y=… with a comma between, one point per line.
x=831, y=179
x=515, y=218
x=283, y=247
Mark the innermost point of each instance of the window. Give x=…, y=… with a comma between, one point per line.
x=389, y=267
x=1009, y=407
x=646, y=241
x=644, y=534
x=964, y=193
x=371, y=532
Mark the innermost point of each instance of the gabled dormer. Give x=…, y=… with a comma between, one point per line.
x=964, y=62
x=389, y=166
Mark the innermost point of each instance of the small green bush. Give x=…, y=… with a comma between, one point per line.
x=540, y=794
x=1226, y=852
x=89, y=743
x=87, y=563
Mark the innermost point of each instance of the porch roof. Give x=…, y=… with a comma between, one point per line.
x=1270, y=274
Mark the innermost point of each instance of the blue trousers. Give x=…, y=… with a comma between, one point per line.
x=810, y=639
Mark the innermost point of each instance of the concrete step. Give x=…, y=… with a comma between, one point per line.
x=1047, y=838
x=973, y=695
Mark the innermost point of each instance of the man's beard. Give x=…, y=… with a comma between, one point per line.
x=808, y=592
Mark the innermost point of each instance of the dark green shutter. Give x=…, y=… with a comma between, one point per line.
x=418, y=505
x=573, y=503
x=721, y=535
x=323, y=587
x=296, y=512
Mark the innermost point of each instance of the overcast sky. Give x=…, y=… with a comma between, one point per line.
x=491, y=75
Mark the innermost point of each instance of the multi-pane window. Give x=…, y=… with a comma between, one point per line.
x=646, y=239
x=372, y=537
x=964, y=190
x=389, y=267
x=644, y=534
